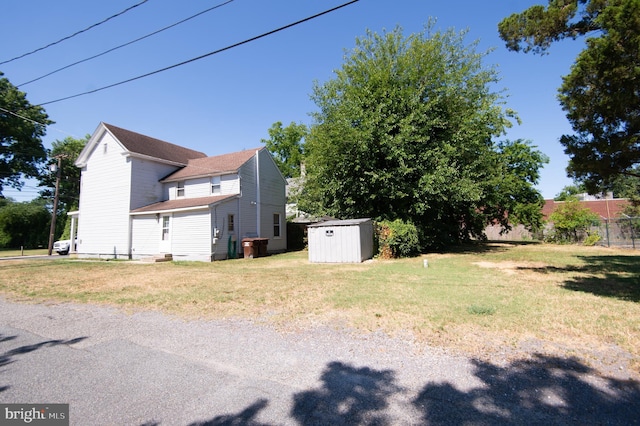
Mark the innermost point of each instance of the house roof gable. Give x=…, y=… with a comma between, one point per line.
x=152, y=147
x=139, y=144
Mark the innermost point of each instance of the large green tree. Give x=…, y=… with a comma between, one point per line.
x=601, y=94
x=68, y=151
x=287, y=146
x=22, y=127
x=406, y=131
x=24, y=224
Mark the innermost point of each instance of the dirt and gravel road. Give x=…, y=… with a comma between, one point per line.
x=146, y=368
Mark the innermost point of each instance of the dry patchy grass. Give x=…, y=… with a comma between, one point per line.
x=485, y=301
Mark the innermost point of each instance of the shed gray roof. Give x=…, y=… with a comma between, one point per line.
x=346, y=222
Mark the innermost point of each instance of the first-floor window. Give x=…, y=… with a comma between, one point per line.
x=276, y=224
x=165, y=228
x=231, y=224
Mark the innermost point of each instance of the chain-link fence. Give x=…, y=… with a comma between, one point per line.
x=619, y=232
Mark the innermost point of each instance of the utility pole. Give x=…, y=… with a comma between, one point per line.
x=54, y=215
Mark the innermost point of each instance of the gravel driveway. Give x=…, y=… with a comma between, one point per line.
x=147, y=368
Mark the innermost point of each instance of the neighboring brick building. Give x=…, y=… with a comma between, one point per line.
x=609, y=208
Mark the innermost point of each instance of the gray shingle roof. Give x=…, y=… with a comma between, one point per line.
x=152, y=147
x=182, y=203
x=213, y=165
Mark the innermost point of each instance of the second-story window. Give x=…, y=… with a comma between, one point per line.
x=180, y=189
x=215, y=185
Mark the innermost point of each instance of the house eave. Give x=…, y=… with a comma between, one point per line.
x=161, y=210
x=178, y=210
x=203, y=175
x=154, y=159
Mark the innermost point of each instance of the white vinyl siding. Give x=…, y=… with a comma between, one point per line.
x=273, y=200
x=145, y=231
x=191, y=235
x=229, y=184
x=246, y=223
x=203, y=187
x=220, y=220
x=146, y=187
x=103, y=222
x=348, y=241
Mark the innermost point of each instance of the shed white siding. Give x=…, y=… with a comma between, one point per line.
x=341, y=241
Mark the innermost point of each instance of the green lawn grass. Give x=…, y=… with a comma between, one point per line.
x=479, y=299
x=19, y=252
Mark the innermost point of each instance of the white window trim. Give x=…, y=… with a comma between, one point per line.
x=215, y=183
x=279, y=226
x=180, y=189
x=166, y=230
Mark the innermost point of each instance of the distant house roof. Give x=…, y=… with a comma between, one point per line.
x=211, y=166
x=152, y=147
x=608, y=208
x=182, y=204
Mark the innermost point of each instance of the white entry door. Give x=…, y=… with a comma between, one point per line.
x=165, y=235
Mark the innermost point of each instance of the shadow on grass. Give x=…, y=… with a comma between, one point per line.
x=608, y=276
x=480, y=247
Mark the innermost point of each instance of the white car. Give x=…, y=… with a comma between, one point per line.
x=62, y=246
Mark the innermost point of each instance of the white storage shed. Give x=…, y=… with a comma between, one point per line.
x=341, y=241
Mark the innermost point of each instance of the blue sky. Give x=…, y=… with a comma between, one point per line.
x=227, y=102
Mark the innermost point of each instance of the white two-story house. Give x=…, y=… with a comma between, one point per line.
x=144, y=197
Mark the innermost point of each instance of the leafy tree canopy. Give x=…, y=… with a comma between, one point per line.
x=601, y=94
x=68, y=150
x=22, y=126
x=571, y=221
x=24, y=224
x=287, y=146
x=406, y=131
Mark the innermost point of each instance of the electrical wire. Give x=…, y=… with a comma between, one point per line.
x=126, y=44
x=202, y=56
x=36, y=122
x=74, y=34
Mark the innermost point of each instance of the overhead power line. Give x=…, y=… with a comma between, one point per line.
x=35, y=122
x=74, y=34
x=127, y=44
x=203, y=56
